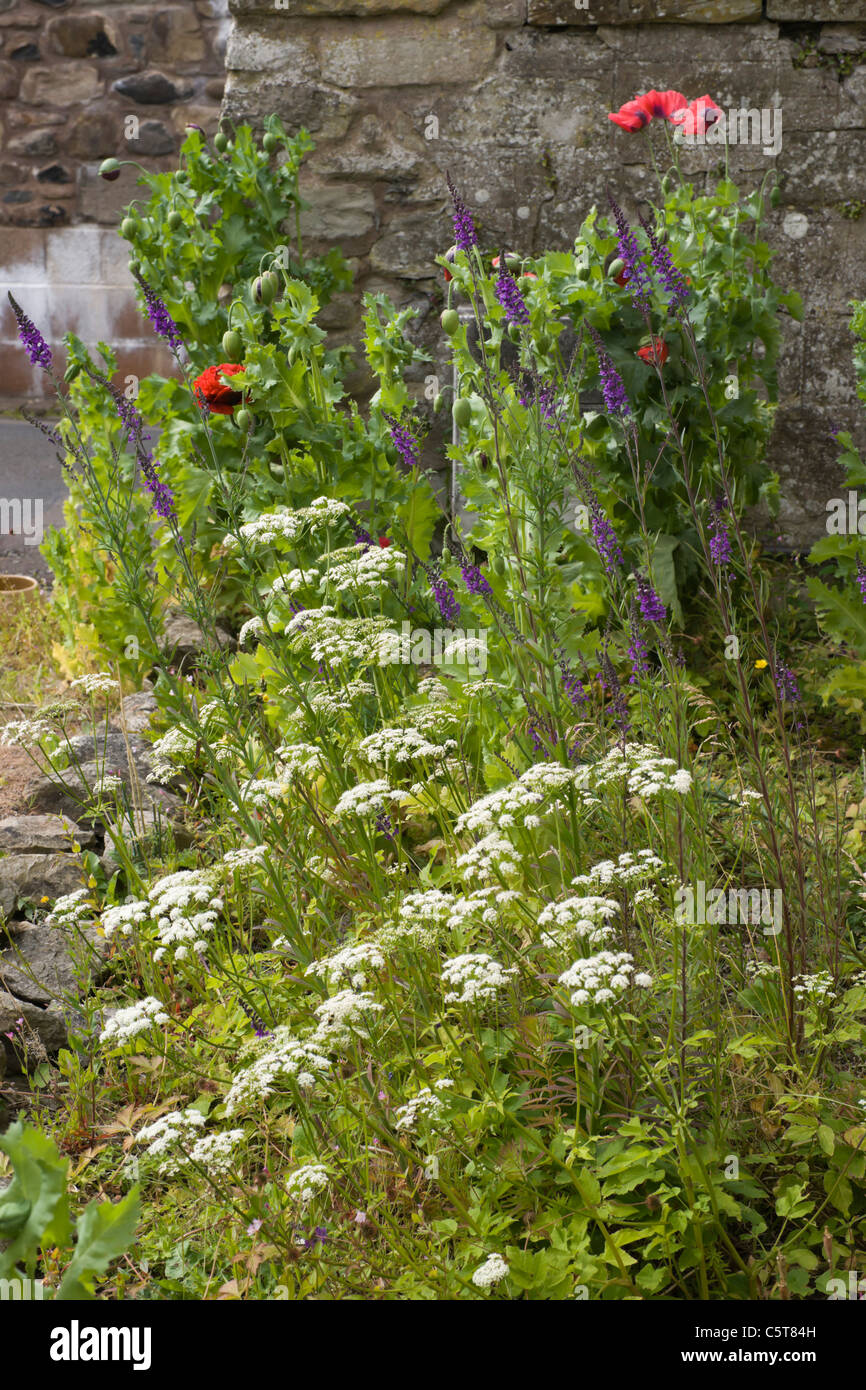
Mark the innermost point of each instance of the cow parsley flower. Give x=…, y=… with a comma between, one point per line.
x=424, y=1107
x=280, y=1056
x=307, y=1182
x=343, y=1015
x=588, y=918
x=475, y=978
x=128, y=1023
x=366, y=799
x=599, y=979
x=351, y=963
x=494, y=1269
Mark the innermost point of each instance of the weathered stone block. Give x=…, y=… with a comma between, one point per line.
x=151, y=88
x=82, y=36
x=340, y=211
x=42, y=835
x=405, y=52
x=268, y=48
x=61, y=84
x=332, y=7
x=552, y=12
x=814, y=10
x=175, y=36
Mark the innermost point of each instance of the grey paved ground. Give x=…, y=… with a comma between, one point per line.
x=30, y=474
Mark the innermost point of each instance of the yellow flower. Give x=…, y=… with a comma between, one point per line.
x=759, y=665
x=45, y=900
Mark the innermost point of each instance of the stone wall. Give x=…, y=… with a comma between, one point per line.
x=79, y=82
x=512, y=97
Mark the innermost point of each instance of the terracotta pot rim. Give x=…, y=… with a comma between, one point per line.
x=17, y=584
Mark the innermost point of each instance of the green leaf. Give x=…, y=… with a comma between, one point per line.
x=104, y=1231
x=842, y=613
x=35, y=1203
x=826, y=1138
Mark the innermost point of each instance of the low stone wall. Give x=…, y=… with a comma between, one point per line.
x=80, y=82
x=512, y=97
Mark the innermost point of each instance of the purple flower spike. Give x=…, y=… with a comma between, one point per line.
x=720, y=541
x=34, y=344
x=615, y=398
x=404, y=442
x=446, y=599
x=162, y=321
x=638, y=280
x=465, y=234
x=671, y=279
x=786, y=684
x=509, y=295
x=861, y=579
x=605, y=539
x=474, y=580
x=651, y=607
x=637, y=651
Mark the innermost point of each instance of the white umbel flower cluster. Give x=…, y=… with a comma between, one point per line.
x=351, y=963
x=818, y=989
x=494, y=1269
x=178, y=1130
x=642, y=768
x=300, y=759
x=99, y=684
x=343, y=1015
x=282, y=1056
x=402, y=746
x=125, y=917
x=307, y=1182
x=186, y=909
x=366, y=799
x=425, y=1107
x=475, y=978
x=509, y=805
x=363, y=572
x=335, y=641
x=138, y=1018
x=175, y=749
x=588, y=918
x=253, y=627
x=491, y=856
x=601, y=978
x=72, y=909
x=247, y=857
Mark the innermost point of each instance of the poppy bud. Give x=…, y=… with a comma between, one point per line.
x=616, y=267
x=263, y=289
x=110, y=169
x=243, y=419
x=220, y=142
x=438, y=402
x=127, y=228
x=462, y=412
x=232, y=345
x=445, y=557
x=174, y=220
x=450, y=321
x=269, y=143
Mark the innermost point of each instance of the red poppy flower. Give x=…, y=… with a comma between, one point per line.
x=449, y=256
x=621, y=279
x=655, y=351
x=630, y=117
x=217, y=396
x=634, y=115
x=698, y=116
x=384, y=541
x=665, y=104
